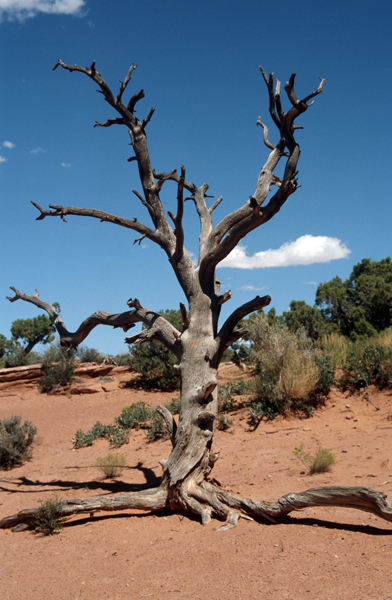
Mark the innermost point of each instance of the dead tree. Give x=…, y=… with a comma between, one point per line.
x=185, y=483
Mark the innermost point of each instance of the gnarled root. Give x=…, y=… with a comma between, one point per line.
x=205, y=499
x=153, y=499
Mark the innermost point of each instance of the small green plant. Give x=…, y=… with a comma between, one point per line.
x=223, y=423
x=57, y=368
x=174, y=406
x=16, y=439
x=138, y=415
x=156, y=428
x=321, y=462
x=226, y=395
x=372, y=365
x=116, y=435
x=112, y=465
x=134, y=416
x=49, y=516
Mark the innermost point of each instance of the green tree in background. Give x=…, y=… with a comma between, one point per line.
x=362, y=305
x=33, y=331
x=303, y=316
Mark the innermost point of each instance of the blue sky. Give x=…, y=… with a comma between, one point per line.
x=198, y=63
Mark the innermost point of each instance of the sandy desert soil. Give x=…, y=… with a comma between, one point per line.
x=317, y=554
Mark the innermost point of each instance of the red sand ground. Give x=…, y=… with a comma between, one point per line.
x=317, y=554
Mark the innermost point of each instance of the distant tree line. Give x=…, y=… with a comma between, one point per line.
x=357, y=308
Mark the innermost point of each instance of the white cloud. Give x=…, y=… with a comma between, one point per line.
x=36, y=150
x=306, y=250
x=310, y=282
x=66, y=165
x=2, y=159
x=251, y=288
x=24, y=9
x=8, y=144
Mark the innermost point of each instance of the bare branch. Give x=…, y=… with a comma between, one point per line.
x=177, y=219
x=170, y=422
x=223, y=338
x=139, y=143
x=270, y=86
x=216, y=204
x=110, y=122
x=125, y=82
x=184, y=315
x=135, y=98
x=148, y=119
x=60, y=211
x=159, y=327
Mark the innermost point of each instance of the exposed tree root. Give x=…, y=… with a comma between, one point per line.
x=206, y=500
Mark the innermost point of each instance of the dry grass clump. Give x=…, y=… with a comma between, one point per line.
x=321, y=462
x=111, y=465
x=290, y=373
x=337, y=347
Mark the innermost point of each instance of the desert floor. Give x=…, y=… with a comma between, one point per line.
x=323, y=553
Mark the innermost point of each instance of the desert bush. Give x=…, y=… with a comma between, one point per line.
x=384, y=338
x=138, y=415
x=57, y=368
x=112, y=465
x=155, y=362
x=48, y=517
x=156, y=427
x=321, y=462
x=373, y=365
x=117, y=436
x=336, y=346
x=123, y=360
x=291, y=374
x=16, y=439
x=223, y=422
x=134, y=416
x=226, y=395
x=88, y=355
x=174, y=406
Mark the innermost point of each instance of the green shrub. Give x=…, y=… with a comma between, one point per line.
x=226, y=395
x=112, y=465
x=16, y=439
x=155, y=362
x=49, y=516
x=156, y=427
x=138, y=415
x=88, y=355
x=134, y=416
x=174, y=406
x=57, y=368
x=117, y=436
x=372, y=365
x=321, y=462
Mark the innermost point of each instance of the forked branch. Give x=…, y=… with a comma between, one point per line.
x=158, y=327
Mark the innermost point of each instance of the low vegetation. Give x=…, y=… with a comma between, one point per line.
x=16, y=440
x=136, y=416
x=111, y=465
x=58, y=368
x=49, y=517
x=321, y=462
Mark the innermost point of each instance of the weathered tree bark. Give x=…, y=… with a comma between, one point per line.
x=200, y=344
